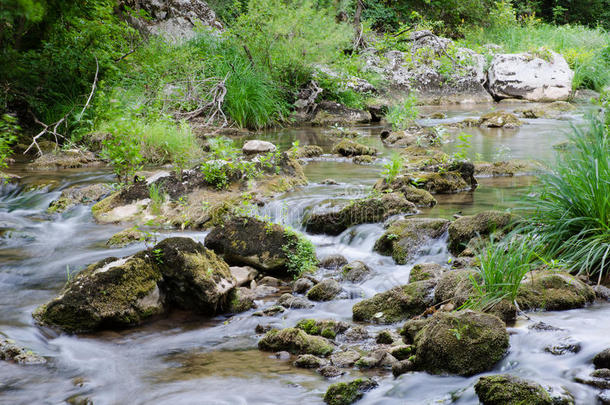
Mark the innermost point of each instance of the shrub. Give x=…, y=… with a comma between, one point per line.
x=301, y=255
x=393, y=168
x=8, y=135
x=572, y=213
x=123, y=153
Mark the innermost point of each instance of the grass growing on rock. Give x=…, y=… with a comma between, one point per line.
x=300, y=254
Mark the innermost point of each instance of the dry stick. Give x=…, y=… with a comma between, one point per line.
x=56, y=125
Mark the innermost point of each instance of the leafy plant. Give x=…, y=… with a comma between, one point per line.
x=301, y=255
x=463, y=146
x=8, y=135
x=157, y=198
x=215, y=173
x=404, y=114
x=393, y=168
x=123, y=153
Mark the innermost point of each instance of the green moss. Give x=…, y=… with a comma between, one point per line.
x=440, y=183
x=463, y=229
x=309, y=326
x=300, y=254
x=553, y=292
x=350, y=148
x=348, y=393
x=127, y=237
x=328, y=333
x=395, y=305
x=294, y=341
x=510, y=390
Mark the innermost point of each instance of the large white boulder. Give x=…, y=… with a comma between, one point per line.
x=527, y=76
x=255, y=147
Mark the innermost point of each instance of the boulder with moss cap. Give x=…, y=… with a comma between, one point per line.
x=463, y=342
x=346, y=393
x=405, y=237
x=374, y=208
x=505, y=389
x=465, y=228
x=295, y=341
x=553, y=291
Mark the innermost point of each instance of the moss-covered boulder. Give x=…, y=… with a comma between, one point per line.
x=79, y=195
x=499, y=119
x=553, y=292
x=268, y=247
x=463, y=229
x=325, y=290
x=427, y=271
x=395, y=305
x=309, y=361
x=355, y=271
x=329, y=113
x=455, y=286
x=327, y=328
x=65, y=159
x=194, y=278
x=462, y=342
x=349, y=148
x=116, y=293
x=127, y=237
x=348, y=393
x=506, y=168
x=295, y=341
x=404, y=237
x=112, y=293
x=403, y=184
x=506, y=389
x=375, y=208
x=309, y=151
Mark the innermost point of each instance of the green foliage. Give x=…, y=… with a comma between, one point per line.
x=590, y=12
x=301, y=255
x=502, y=266
x=157, y=198
x=572, y=214
x=463, y=146
x=393, y=168
x=8, y=135
x=404, y=114
x=123, y=153
x=215, y=173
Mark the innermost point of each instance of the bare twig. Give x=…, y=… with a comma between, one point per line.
x=46, y=129
x=93, y=86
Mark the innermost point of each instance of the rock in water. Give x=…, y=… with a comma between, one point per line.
x=251, y=242
x=348, y=393
x=602, y=359
x=462, y=342
x=76, y=195
x=325, y=290
x=531, y=77
x=404, y=237
x=9, y=351
x=256, y=147
x=510, y=390
x=463, y=229
x=295, y=341
x=116, y=293
x=553, y=292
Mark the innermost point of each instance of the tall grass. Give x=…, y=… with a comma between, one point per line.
x=587, y=50
x=503, y=265
x=572, y=214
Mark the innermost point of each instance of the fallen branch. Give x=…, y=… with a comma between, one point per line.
x=210, y=105
x=45, y=130
x=93, y=86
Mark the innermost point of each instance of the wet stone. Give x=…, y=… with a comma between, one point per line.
x=290, y=301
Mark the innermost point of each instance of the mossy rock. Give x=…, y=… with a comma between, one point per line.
x=402, y=184
x=194, y=278
x=294, y=341
x=65, y=159
x=348, y=393
x=499, y=119
x=462, y=342
x=375, y=208
x=404, y=237
x=506, y=168
x=329, y=113
x=363, y=159
x=440, y=182
x=79, y=195
x=116, y=293
x=355, y=271
x=309, y=151
x=395, y=305
x=349, y=148
x=309, y=361
x=267, y=247
x=456, y=286
x=463, y=229
x=550, y=110
x=10, y=351
x=505, y=389
x=426, y=271
x=543, y=290
x=127, y=237
x=113, y=293
x=325, y=290
x=327, y=328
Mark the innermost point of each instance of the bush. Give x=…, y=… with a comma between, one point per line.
x=123, y=153
x=8, y=135
x=404, y=114
x=572, y=213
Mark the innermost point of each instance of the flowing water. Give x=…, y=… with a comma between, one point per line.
x=189, y=360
